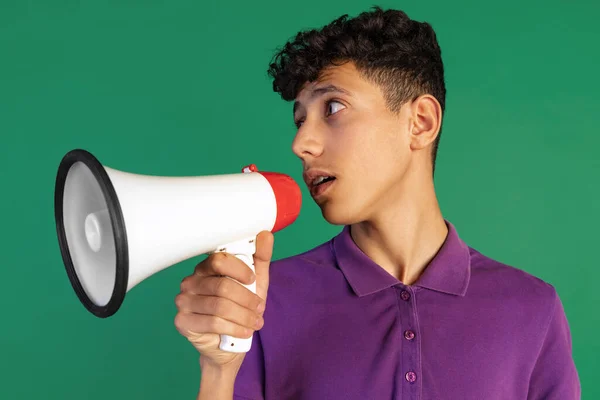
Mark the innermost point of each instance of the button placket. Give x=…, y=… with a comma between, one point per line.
x=410, y=350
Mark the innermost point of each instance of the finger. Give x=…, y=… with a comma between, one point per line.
x=225, y=264
x=221, y=286
x=262, y=260
x=220, y=307
x=190, y=324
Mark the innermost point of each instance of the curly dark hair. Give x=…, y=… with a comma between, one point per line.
x=399, y=54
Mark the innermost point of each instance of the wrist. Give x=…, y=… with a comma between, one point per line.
x=217, y=381
x=214, y=371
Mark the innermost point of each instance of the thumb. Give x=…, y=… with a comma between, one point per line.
x=262, y=260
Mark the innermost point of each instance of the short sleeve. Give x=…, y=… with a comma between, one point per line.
x=554, y=375
x=249, y=382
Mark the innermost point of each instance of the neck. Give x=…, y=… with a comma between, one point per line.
x=405, y=232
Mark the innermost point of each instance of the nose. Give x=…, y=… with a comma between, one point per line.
x=308, y=142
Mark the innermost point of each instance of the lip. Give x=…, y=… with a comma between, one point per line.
x=311, y=174
x=318, y=190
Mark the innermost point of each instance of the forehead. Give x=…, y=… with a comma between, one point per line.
x=345, y=76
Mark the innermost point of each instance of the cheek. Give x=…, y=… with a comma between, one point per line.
x=367, y=153
x=377, y=151
x=380, y=164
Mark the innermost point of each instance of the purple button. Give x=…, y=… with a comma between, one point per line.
x=404, y=295
x=409, y=335
x=411, y=376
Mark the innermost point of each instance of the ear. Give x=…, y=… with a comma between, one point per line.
x=426, y=116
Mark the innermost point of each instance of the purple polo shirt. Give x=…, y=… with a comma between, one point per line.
x=339, y=327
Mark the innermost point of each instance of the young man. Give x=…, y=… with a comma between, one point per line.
x=396, y=306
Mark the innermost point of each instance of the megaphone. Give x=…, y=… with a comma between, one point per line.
x=118, y=228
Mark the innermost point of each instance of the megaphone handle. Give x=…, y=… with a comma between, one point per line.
x=244, y=250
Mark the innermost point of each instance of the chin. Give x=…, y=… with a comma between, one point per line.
x=337, y=214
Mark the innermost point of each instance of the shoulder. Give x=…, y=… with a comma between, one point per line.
x=514, y=300
x=511, y=284
x=318, y=256
x=524, y=303
x=303, y=273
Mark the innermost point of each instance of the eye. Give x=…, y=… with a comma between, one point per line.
x=335, y=106
x=332, y=106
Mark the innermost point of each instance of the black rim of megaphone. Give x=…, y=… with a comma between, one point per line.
x=118, y=224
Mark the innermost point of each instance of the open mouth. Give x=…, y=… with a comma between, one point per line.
x=322, y=179
x=321, y=184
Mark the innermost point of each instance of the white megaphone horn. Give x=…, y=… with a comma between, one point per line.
x=116, y=228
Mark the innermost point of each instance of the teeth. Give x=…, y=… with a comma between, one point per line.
x=319, y=180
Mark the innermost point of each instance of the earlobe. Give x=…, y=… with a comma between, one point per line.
x=426, y=121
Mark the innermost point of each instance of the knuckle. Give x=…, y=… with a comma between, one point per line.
x=218, y=306
x=184, y=283
x=218, y=260
x=179, y=321
x=223, y=288
x=213, y=324
x=180, y=300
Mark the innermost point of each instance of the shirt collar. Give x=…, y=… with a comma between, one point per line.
x=448, y=272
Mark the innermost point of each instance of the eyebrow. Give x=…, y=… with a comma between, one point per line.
x=321, y=91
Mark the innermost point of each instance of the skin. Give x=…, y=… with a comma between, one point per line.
x=383, y=190
x=382, y=162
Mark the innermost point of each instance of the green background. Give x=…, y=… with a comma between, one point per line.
x=180, y=88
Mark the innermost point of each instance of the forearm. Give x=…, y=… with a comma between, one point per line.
x=216, y=383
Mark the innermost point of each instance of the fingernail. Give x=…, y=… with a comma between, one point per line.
x=258, y=322
x=261, y=307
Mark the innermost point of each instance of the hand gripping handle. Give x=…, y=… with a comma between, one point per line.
x=244, y=250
